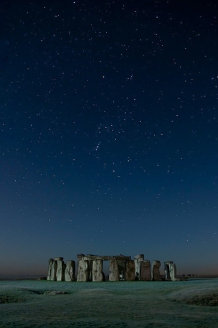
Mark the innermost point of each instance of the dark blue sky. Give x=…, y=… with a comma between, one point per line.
x=108, y=131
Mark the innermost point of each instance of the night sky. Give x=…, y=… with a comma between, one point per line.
x=108, y=132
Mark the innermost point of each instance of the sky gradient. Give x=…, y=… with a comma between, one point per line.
x=108, y=132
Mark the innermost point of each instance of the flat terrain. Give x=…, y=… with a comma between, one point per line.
x=187, y=304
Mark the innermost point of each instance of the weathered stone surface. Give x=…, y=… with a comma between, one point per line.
x=113, y=271
x=173, y=272
x=138, y=260
x=130, y=270
x=91, y=257
x=70, y=271
x=58, y=258
x=97, y=270
x=60, y=270
x=170, y=270
x=145, y=270
x=83, y=273
x=155, y=272
x=54, y=271
x=50, y=264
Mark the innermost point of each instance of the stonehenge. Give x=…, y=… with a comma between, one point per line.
x=121, y=268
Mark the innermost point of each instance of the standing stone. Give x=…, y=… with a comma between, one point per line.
x=155, y=272
x=145, y=270
x=170, y=271
x=83, y=270
x=97, y=270
x=130, y=270
x=70, y=271
x=138, y=260
x=60, y=268
x=173, y=272
x=50, y=264
x=166, y=271
x=113, y=271
x=54, y=271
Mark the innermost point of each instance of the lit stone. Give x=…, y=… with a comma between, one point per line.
x=60, y=270
x=138, y=260
x=70, y=271
x=83, y=270
x=97, y=270
x=170, y=271
x=54, y=271
x=50, y=265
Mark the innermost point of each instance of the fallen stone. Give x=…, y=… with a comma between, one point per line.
x=55, y=292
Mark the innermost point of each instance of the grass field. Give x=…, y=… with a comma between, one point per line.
x=187, y=304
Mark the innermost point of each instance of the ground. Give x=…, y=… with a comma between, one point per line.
x=188, y=304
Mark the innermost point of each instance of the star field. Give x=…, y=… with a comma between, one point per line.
x=108, y=129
